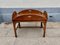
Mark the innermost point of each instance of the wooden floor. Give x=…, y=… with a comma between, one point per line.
x=30, y=36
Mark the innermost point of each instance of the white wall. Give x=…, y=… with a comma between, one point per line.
x=29, y=3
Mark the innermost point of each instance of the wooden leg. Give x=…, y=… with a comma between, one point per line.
x=14, y=29
x=41, y=25
x=19, y=25
x=44, y=28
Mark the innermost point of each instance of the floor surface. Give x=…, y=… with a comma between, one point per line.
x=30, y=36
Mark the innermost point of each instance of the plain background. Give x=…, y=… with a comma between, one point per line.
x=8, y=6
x=29, y=3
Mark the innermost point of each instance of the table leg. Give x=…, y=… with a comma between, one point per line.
x=41, y=25
x=19, y=25
x=44, y=28
x=14, y=24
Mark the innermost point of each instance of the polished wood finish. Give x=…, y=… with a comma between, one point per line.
x=29, y=15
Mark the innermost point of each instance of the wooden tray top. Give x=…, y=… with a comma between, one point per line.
x=30, y=15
